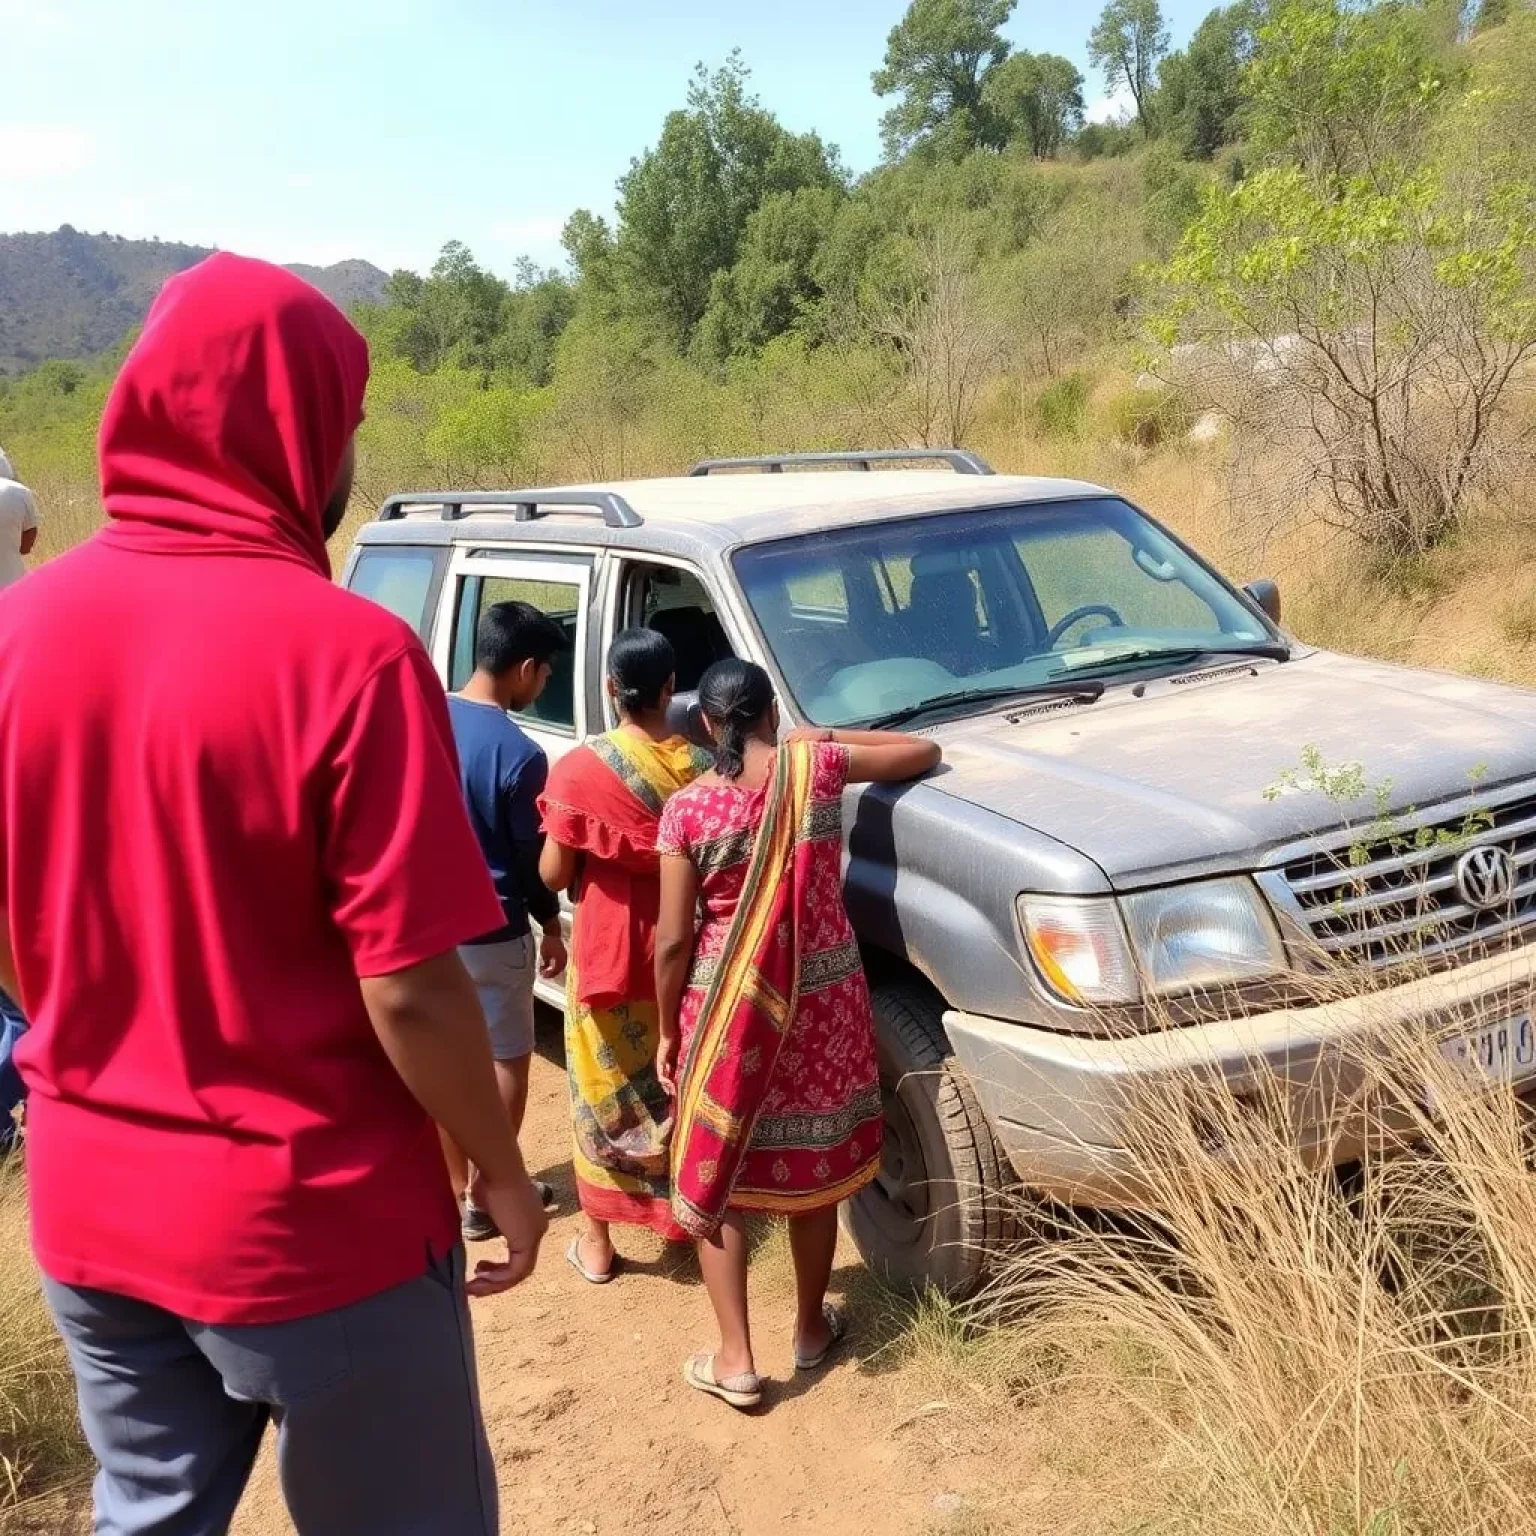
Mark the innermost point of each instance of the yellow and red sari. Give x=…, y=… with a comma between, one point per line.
x=778, y=1105
x=605, y=800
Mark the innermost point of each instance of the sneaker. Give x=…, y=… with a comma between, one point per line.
x=546, y=1196
x=476, y=1225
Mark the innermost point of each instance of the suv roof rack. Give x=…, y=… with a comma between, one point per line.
x=961, y=460
x=524, y=506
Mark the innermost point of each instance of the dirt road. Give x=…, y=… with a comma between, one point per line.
x=594, y=1431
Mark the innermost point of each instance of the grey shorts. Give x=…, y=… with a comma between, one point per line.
x=503, y=975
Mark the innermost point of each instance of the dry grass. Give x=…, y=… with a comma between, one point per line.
x=42, y=1453
x=1285, y=1352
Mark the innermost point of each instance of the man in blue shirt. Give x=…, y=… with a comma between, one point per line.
x=502, y=773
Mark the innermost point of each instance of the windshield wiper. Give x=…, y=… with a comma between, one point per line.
x=1086, y=692
x=1271, y=650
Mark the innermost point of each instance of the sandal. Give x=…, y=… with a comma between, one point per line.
x=591, y=1276
x=837, y=1331
x=743, y=1391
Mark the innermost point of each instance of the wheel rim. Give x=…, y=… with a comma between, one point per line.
x=896, y=1203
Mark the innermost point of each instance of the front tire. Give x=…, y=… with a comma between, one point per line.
x=936, y=1214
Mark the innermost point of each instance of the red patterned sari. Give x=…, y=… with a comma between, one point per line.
x=778, y=1103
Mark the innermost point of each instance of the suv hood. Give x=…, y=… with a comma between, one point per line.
x=1172, y=783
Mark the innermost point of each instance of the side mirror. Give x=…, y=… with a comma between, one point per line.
x=1267, y=595
x=686, y=719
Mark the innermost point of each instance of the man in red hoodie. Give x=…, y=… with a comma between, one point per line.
x=236, y=872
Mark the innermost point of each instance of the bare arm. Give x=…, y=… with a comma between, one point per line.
x=28, y=539
x=882, y=757
x=675, y=935
x=429, y=1022
x=557, y=865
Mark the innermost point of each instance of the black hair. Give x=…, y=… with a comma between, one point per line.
x=511, y=633
x=641, y=662
x=734, y=696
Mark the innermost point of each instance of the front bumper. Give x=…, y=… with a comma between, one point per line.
x=1060, y=1104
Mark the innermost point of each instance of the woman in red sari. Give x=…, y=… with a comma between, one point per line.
x=767, y=1038
x=600, y=810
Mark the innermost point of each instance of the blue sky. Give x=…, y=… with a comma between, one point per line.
x=310, y=130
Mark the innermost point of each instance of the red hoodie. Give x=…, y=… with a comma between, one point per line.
x=228, y=790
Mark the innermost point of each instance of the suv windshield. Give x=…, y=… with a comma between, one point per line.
x=871, y=620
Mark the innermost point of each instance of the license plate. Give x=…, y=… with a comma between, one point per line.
x=1502, y=1053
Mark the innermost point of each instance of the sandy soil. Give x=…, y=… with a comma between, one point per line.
x=594, y=1430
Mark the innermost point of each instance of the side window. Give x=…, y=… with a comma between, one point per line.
x=397, y=578
x=677, y=604
x=555, y=708
x=818, y=595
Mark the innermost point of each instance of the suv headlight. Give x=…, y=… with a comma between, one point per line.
x=1099, y=950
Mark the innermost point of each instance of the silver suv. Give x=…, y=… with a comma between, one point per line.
x=1118, y=861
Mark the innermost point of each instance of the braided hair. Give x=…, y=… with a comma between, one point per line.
x=641, y=663
x=734, y=695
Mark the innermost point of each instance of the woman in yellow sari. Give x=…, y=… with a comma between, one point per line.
x=601, y=809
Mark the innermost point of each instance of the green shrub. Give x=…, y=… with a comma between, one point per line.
x=1061, y=408
x=1147, y=416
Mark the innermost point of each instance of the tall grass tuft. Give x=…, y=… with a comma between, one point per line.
x=42, y=1452
x=1286, y=1350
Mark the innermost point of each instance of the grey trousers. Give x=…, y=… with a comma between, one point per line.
x=377, y=1409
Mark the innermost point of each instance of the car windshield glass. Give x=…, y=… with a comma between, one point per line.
x=867, y=621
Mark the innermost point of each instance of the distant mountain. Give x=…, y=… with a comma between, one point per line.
x=345, y=282
x=69, y=294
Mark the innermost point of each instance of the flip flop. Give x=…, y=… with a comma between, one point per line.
x=591, y=1276
x=744, y=1391
x=837, y=1331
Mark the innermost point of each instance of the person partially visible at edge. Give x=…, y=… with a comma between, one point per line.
x=502, y=774
x=237, y=871
x=601, y=813
x=18, y=524
x=13, y=1091
x=767, y=1036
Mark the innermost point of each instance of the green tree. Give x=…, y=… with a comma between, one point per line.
x=1200, y=96
x=773, y=283
x=1363, y=311
x=684, y=205
x=533, y=316
x=1128, y=44
x=1341, y=89
x=937, y=58
x=587, y=242
x=1037, y=97
x=452, y=316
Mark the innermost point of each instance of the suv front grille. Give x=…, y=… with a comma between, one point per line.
x=1397, y=898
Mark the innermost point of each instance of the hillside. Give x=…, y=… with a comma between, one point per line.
x=73, y=295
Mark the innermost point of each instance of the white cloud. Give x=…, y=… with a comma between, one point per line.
x=1119, y=107
x=34, y=150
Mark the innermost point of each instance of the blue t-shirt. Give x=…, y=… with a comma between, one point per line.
x=502, y=773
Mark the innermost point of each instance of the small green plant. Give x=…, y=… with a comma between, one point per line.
x=1410, y=914
x=1383, y=835
x=1060, y=409
x=1517, y=621
x=1147, y=416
